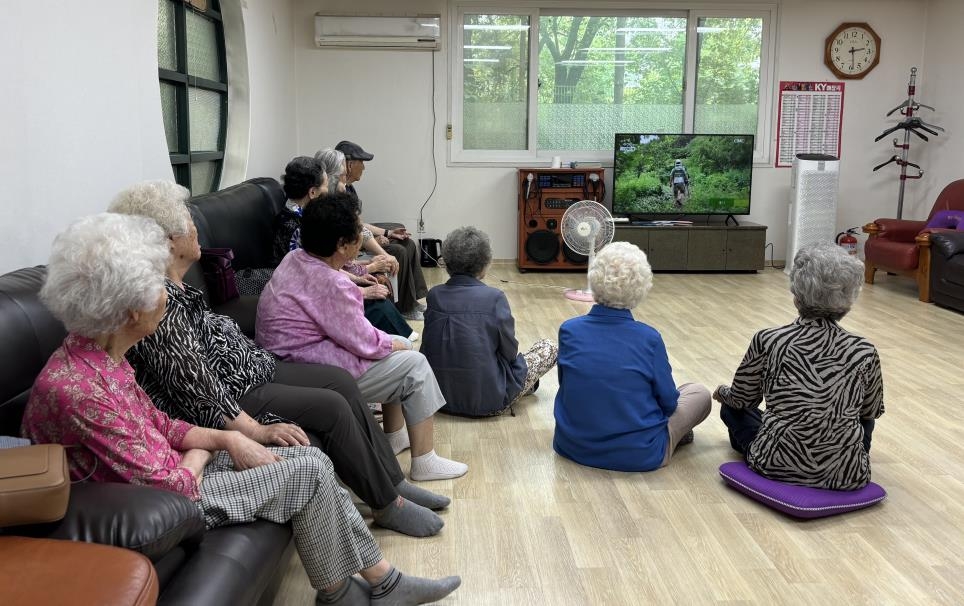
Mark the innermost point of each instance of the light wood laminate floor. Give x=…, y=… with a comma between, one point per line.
x=528, y=527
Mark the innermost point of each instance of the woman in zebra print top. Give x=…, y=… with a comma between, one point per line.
x=822, y=385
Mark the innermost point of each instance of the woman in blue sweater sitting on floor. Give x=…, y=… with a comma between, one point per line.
x=470, y=335
x=617, y=406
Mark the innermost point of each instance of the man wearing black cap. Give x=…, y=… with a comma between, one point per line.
x=395, y=240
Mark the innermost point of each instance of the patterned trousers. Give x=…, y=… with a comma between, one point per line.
x=540, y=359
x=331, y=538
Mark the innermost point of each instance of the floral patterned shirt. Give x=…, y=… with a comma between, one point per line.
x=82, y=398
x=312, y=313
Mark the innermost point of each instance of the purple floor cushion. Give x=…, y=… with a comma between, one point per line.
x=798, y=501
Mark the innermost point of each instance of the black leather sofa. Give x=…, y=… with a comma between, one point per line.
x=947, y=269
x=235, y=565
x=241, y=218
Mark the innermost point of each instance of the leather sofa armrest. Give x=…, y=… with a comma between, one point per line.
x=948, y=243
x=897, y=230
x=147, y=520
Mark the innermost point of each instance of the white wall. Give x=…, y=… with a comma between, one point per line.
x=864, y=194
x=80, y=113
x=383, y=104
x=382, y=100
x=942, y=85
x=268, y=29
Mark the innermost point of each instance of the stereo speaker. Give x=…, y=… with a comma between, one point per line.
x=544, y=196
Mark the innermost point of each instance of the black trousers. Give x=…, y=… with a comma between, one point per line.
x=411, y=282
x=384, y=316
x=744, y=423
x=325, y=401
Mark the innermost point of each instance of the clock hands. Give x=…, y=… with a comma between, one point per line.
x=853, y=55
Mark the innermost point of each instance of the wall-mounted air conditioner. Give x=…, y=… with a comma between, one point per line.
x=416, y=33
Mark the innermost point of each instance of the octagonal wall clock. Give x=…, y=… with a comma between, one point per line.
x=852, y=50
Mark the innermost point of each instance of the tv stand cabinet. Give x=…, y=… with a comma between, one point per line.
x=699, y=247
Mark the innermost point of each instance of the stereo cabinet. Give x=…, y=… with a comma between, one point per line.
x=713, y=247
x=544, y=196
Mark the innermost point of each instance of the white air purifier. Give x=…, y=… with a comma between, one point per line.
x=813, y=202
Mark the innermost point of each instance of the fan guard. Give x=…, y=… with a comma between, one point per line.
x=586, y=228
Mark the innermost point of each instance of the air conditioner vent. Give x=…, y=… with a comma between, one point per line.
x=414, y=33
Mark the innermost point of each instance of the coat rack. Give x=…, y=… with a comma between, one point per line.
x=911, y=124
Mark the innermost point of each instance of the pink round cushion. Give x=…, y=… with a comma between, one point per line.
x=798, y=501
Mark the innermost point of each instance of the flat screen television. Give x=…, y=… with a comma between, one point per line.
x=682, y=174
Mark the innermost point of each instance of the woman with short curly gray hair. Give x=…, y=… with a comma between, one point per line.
x=163, y=201
x=470, y=335
x=824, y=282
x=822, y=385
x=467, y=251
x=620, y=277
x=618, y=406
x=103, y=268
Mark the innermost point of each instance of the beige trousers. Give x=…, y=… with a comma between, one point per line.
x=692, y=408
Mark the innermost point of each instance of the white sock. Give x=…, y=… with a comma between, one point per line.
x=399, y=440
x=430, y=466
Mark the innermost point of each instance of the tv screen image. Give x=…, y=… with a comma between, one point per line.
x=682, y=174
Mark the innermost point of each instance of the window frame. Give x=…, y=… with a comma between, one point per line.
x=183, y=81
x=458, y=156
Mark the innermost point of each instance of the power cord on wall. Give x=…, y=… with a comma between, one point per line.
x=770, y=246
x=421, y=219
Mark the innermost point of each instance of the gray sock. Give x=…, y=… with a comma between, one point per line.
x=396, y=589
x=408, y=518
x=351, y=593
x=421, y=496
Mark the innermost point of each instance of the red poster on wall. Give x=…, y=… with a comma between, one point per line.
x=809, y=119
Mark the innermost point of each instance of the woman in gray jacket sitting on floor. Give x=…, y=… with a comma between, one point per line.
x=469, y=336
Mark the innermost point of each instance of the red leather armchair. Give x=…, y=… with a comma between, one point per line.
x=902, y=247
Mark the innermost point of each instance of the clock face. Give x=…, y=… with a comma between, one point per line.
x=853, y=51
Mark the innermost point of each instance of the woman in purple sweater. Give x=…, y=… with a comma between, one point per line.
x=311, y=312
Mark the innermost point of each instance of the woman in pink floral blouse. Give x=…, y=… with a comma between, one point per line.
x=105, y=282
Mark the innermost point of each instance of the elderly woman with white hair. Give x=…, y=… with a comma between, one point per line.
x=199, y=367
x=105, y=282
x=822, y=385
x=469, y=336
x=617, y=406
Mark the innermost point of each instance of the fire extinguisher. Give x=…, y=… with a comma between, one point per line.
x=848, y=241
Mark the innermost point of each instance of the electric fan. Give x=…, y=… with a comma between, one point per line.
x=587, y=226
